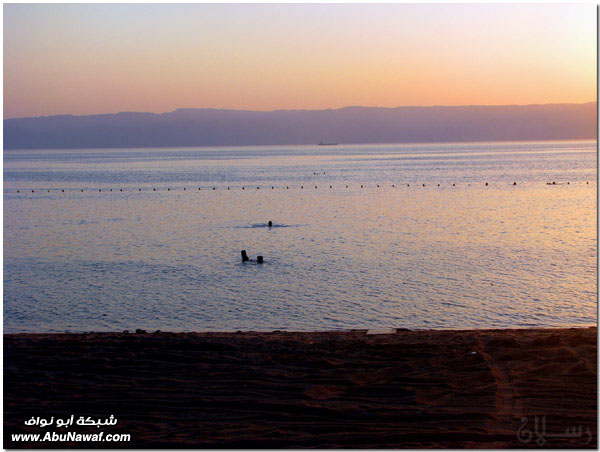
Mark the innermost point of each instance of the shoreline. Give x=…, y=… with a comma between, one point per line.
x=280, y=389
x=340, y=331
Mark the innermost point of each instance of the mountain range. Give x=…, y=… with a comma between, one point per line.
x=214, y=127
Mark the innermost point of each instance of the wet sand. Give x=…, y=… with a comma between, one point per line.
x=411, y=389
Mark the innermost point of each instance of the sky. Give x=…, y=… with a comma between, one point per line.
x=105, y=58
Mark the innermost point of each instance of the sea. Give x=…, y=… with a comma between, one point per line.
x=418, y=236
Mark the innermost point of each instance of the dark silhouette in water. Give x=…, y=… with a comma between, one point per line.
x=270, y=224
x=245, y=258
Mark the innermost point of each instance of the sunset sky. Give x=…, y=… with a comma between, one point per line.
x=106, y=58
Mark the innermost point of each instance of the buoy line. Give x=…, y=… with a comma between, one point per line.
x=286, y=187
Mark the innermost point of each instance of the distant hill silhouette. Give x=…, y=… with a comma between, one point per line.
x=210, y=127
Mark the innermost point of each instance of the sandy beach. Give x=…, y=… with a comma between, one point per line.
x=411, y=389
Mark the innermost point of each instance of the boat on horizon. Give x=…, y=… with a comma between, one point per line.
x=321, y=143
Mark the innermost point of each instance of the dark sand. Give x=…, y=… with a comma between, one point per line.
x=336, y=389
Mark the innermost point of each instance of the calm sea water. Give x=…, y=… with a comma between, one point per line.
x=398, y=255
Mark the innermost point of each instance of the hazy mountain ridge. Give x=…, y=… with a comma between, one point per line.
x=214, y=127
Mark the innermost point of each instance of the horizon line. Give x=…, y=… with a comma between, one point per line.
x=299, y=109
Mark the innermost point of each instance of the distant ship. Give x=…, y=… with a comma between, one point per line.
x=327, y=144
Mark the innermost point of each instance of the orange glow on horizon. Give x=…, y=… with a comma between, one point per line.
x=86, y=59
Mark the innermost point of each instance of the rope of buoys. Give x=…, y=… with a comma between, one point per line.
x=287, y=187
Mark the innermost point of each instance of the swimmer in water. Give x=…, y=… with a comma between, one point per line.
x=245, y=257
x=270, y=224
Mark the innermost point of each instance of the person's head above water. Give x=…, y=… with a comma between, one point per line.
x=270, y=223
x=245, y=256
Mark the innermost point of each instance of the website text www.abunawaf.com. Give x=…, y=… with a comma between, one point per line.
x=70, y=437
